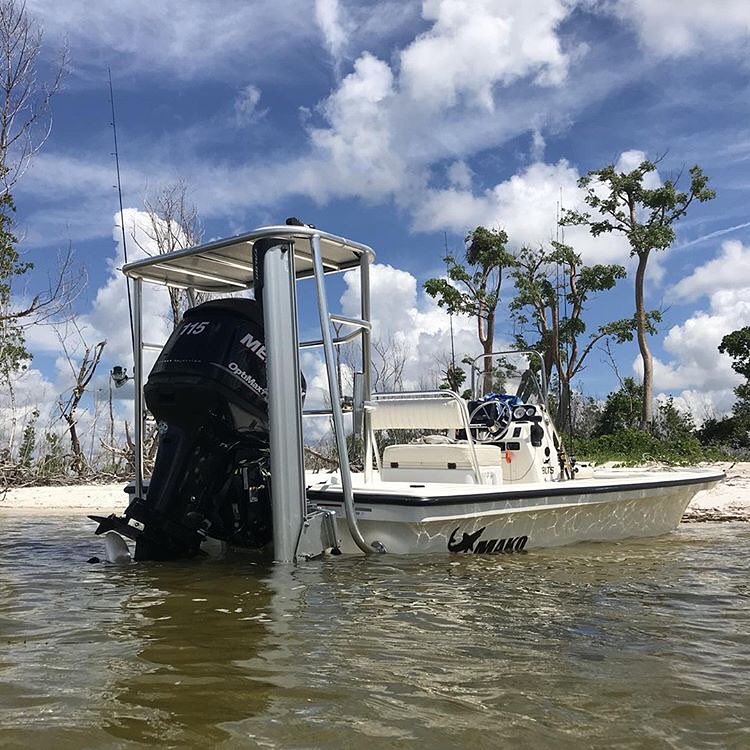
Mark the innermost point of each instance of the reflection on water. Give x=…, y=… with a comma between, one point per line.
x=638, y=644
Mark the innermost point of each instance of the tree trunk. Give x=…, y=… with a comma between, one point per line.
x=78, y=463
x=487, y=376
x=647, y=408
x=562, y=420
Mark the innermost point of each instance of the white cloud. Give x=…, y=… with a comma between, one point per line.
x=631, y=160
x=459, y=175
x=404, y=315
x=472, y=46
x=538, y=145
x=696, y=365
x=675, y=27
x=328, y=16
x=374, y=138
x=526, y=205
x=188, y=39
x=728, y=270
x=246, y=105
x=355, y=153
x=108, y=318
x=30, y=390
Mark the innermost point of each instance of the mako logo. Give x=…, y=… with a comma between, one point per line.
x=473, y=543
x=254, y=345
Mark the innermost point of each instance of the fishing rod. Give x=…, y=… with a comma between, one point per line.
x=116, y=154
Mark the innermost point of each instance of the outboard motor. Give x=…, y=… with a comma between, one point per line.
x=207, y=392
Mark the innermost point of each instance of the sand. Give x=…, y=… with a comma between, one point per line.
x=730, y=500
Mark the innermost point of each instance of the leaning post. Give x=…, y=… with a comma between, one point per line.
x=274, y=258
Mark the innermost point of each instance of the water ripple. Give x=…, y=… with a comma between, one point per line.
x=638, y=644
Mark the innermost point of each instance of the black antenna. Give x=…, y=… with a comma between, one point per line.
x=119, y=197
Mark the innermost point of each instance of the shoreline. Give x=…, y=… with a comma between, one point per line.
x=728, y=501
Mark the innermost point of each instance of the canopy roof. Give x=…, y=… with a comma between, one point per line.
x=227, y=265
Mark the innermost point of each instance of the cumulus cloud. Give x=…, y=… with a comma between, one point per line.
x=632, y=159
x=30, y=390
x=730, y=269
x=355, y=153
x=374, y=136
x=474, y=46
x=405, y=317
x=526, y=205
x=696, y=366
x=674, y=27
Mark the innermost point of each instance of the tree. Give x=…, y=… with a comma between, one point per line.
x=25, y=123
x=737, y=345
x=25, y=98
x=473, y=287
x=621, y=410
x=734, y=430
x=645, y=216
x=44, y=305
x=13, y=354
x=449, y=375
x=545, y=277
x=175, y=225
x=82, y=371
x=389, y=357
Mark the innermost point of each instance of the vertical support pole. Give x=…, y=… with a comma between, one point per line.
x=279, y=296
x=366, y=340
x=138, y=383
x=333, y=390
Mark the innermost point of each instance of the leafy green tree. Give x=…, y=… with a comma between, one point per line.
x=672, y=423
x=543, y=279
x=737, y=346
x=622, y=203
x=473, y=286
x=621, y=409
x=13, y=353
x=453, y=378
x=25, y=121
x=734, y=430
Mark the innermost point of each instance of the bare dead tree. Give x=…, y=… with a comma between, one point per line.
x=50, y=303
x=25, y=116
x=390, y=356
x=82, y=371
x=175, y=225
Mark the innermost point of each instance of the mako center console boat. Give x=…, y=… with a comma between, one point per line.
x=440, y=474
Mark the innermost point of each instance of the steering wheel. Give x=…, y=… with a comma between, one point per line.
x=501, y=421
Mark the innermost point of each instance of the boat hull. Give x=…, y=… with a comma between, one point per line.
x=520, y=520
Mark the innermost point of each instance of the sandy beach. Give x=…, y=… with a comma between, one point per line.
x=729, y=500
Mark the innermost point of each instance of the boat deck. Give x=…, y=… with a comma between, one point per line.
x=327, y=486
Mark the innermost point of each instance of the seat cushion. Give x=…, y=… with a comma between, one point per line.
x=427, y=456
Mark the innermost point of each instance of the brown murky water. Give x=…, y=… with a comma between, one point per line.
x=633, y=645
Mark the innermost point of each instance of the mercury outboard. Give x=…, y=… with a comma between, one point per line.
x=207, y=393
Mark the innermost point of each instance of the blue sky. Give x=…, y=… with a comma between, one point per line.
x=393, y=123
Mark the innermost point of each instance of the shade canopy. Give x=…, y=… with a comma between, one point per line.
x=226, y=265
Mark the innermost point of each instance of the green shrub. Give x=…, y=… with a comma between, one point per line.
x=631, y=447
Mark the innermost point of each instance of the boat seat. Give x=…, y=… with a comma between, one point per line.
x=396, y=411
x=426, y=410
x=441, y=456
x=450, y=463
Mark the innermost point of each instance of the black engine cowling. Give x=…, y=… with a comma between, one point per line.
x=207, y=392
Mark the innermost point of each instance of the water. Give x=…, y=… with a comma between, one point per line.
x=634, y=645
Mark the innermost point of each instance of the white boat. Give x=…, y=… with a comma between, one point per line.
x=487, y=475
